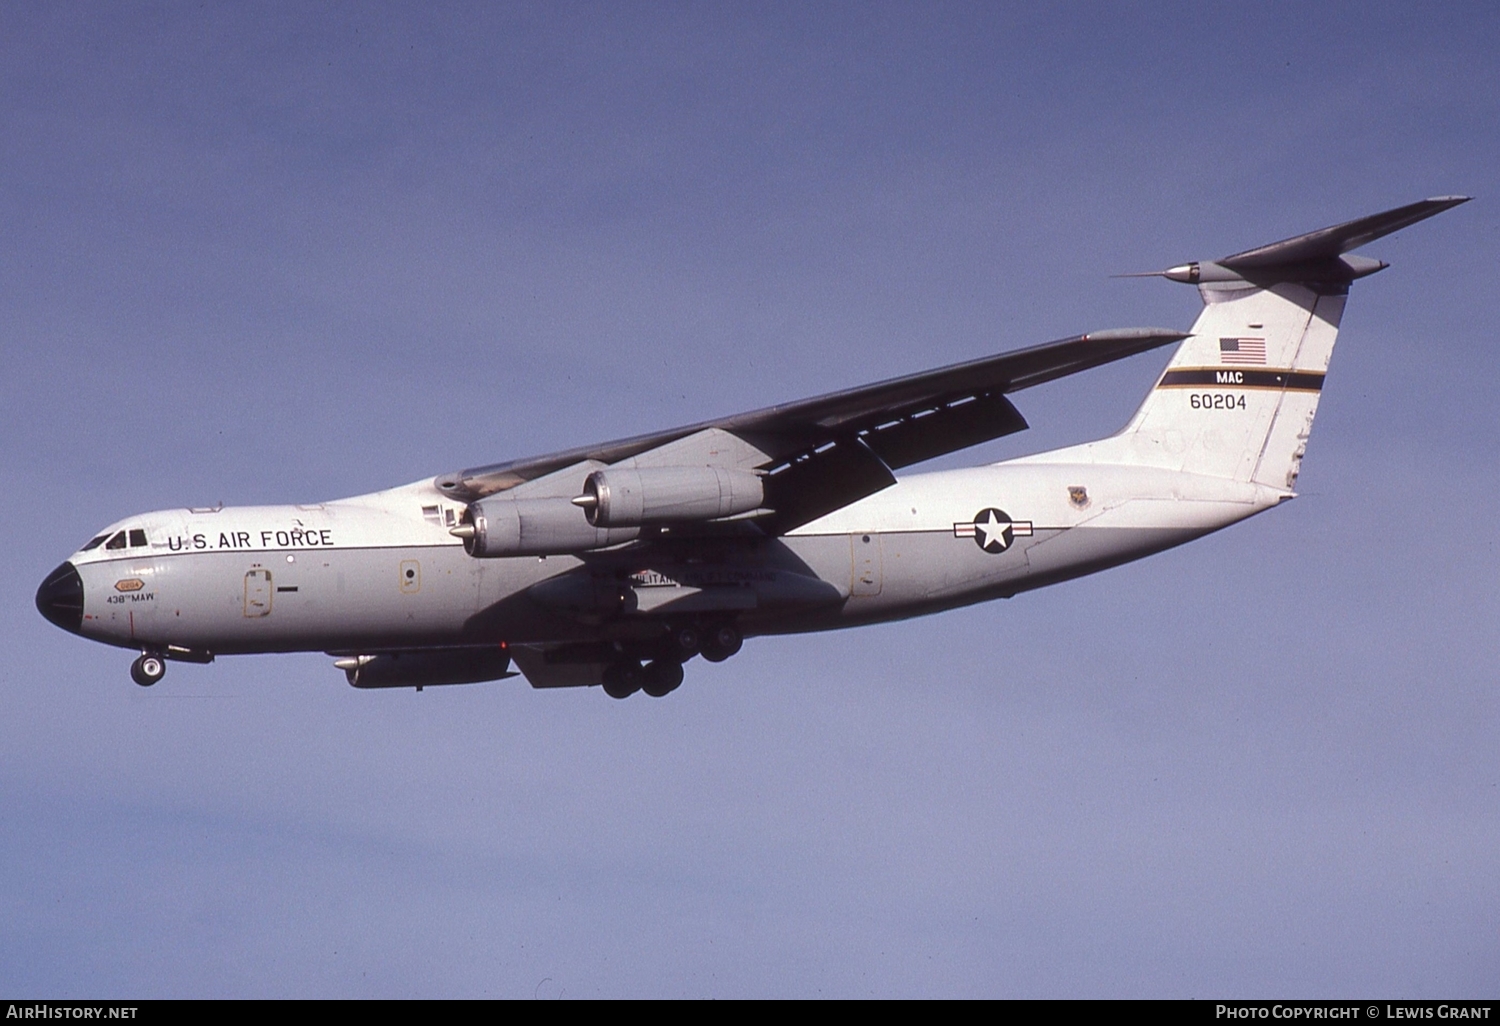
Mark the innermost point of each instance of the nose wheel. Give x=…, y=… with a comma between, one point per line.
x=148, y=669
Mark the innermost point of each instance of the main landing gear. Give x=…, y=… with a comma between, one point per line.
x=663, y=674
x=148, y=669
x=658, y=678
x=721, y=642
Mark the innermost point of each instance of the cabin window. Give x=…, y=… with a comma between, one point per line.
x=137, y=538
x=117, y=542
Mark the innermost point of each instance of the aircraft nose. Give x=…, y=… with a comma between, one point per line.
x=60, y=598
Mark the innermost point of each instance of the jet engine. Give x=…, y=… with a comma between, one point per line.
x=423, y=668
x=619, y=497
x=500, y=526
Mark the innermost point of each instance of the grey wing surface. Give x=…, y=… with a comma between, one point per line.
x=822, y=453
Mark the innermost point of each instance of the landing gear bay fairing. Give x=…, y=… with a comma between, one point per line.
x=615, y=564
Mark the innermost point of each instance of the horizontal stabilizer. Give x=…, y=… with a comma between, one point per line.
x=1317, y=257
x=1334, y=242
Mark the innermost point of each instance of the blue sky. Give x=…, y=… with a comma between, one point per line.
x=290, y=253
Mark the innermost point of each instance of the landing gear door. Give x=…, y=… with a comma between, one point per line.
x=258, y=593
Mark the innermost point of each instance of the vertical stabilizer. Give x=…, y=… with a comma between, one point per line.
x=1238, y=399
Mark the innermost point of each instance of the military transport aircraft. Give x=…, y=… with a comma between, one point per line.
x=614, y=564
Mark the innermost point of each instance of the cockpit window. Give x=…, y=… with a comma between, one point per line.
x=137, y=538
x=117, y=542
x=95, y=543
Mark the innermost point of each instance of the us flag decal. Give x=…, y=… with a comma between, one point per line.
x=1242, y=350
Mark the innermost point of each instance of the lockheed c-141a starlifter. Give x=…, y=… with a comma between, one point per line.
x=615, y=564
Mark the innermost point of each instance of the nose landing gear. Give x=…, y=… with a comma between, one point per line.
x=148, y=669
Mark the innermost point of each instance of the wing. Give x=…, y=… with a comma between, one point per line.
x=823, y=453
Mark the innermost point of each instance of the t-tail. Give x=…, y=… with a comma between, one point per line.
x=1238, y=399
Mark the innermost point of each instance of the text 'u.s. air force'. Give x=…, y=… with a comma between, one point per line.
x=293, y=538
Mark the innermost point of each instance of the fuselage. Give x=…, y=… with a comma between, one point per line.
x=381, y=572
x=615, y=563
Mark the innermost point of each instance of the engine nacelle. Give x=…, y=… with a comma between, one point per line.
x=500, y=526
x=620, y=497
x=426, y=668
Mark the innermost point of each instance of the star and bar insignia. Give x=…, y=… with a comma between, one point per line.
x=993, y=530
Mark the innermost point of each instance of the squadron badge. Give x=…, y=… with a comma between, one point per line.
x=993, y=530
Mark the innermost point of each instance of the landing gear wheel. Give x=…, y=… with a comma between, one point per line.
x=721, y=642
x=623, y=679
x=686, y=641
x=662, y=677
x=148, y=669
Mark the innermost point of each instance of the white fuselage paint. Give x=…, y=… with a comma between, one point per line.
x=381, y=572
x=1219, y=438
